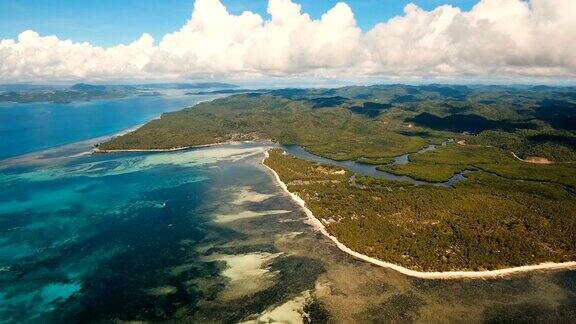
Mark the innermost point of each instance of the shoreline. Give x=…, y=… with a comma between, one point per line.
x=95, y=149
x=317, y=224
x=174, y=149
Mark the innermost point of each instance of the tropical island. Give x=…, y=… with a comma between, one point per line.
x=515, y=144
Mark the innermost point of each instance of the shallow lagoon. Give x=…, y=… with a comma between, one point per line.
x=205, y=235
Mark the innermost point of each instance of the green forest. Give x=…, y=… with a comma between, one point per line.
x=378, y=121
x=442, y=163
x=484, y=223
x=508, y=211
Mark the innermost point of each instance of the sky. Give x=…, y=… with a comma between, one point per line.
x=52, y=40
x=110, y=22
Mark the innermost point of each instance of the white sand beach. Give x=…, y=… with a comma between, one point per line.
x=423, y=275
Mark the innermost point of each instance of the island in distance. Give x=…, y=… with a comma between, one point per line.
x=432, y=178
x=26, y=93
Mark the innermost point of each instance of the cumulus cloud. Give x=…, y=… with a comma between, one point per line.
x=495, y=38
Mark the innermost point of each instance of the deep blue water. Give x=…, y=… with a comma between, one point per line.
x=26, y=128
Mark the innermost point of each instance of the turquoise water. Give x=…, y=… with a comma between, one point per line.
x=26, y=128
x=83, y=238
x=88, y=238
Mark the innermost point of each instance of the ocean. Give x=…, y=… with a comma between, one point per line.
x=30, y=127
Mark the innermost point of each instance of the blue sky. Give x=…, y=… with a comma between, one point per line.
x=109, y=22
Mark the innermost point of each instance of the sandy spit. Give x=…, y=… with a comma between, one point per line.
x=412, y=273
x=97, y=150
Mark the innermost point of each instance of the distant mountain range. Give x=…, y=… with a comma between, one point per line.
x=23, y=93
x=199, y=85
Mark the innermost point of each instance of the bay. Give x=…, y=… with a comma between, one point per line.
x=30, y=127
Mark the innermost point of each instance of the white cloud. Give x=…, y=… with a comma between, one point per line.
x=495, y=38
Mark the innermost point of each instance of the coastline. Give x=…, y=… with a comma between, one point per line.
x=95, y=149
x=174, y=149
x=317, y=224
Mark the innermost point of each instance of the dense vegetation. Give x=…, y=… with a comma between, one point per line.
x=377, y=121
x=508, y=212
x=442, y=163
x=333, y=132
x=486, y=222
